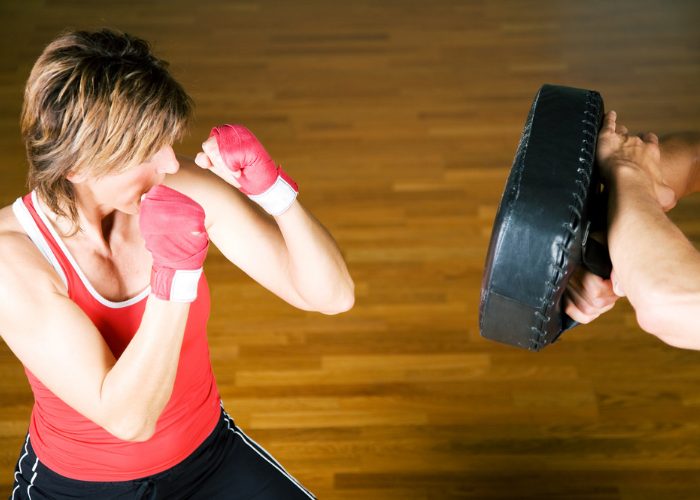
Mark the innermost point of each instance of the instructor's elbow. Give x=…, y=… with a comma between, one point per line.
x=651, y=322
x=665, y=317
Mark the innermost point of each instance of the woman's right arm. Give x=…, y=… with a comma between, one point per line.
x=59, y=344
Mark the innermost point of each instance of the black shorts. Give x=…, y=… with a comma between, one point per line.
x=227, y=465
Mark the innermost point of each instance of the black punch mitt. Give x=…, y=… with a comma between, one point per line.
x=552, y=200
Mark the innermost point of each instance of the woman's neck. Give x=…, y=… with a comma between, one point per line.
x=97, y=225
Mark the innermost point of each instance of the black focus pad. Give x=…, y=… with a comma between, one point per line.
x=551, y=201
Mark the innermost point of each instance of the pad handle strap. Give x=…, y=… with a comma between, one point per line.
x=596, y=256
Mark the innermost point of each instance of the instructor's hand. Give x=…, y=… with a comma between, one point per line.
x=617, y=150
x=587, y=295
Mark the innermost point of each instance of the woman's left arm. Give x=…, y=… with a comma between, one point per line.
x=291, y=254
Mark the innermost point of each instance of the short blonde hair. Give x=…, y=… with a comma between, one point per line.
x=96, y=102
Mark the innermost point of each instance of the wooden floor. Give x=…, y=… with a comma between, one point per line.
x=399, y=119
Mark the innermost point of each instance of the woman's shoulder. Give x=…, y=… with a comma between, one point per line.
x=21, y=260
x=204, y=187
x=15, y=245
x=8, y=221
x=190, y=178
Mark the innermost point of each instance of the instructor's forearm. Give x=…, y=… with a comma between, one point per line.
x=316, y=265
x=655, y=263
x=137, y=388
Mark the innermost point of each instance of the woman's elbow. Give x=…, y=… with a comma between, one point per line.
x=342, y=302
x=135, y=437
x=135, y=432
x=344, y=305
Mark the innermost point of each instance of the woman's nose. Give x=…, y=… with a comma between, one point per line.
x=168, y=163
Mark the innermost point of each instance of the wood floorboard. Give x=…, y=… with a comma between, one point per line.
x=399, y=119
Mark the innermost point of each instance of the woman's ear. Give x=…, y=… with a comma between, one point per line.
x=75, y=177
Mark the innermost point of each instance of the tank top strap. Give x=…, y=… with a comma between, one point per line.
x=26, y=213
x=38, y=227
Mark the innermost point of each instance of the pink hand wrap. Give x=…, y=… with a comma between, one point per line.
x=167, y=220
x=263, y=181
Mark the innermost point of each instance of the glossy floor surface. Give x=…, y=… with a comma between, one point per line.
x=399, y=119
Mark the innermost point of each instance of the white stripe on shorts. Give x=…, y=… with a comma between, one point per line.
x=26, y=452
x=31, y=484
x=264, y=454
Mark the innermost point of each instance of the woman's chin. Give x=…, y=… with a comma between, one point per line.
x=132, y=208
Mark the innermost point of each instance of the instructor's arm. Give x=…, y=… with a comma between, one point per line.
x=655, y=265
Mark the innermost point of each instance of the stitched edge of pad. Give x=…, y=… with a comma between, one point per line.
x=589, y=135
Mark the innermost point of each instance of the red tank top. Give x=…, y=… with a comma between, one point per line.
x=74, y=446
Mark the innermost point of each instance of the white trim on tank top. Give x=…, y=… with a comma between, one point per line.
x=88, y=286
x=29, y=225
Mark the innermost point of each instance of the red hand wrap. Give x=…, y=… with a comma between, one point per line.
x=263, y=181
x=167, y=221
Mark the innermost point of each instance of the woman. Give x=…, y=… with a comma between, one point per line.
x=126, y=405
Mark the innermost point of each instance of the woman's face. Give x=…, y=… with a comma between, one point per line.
x=123, y=191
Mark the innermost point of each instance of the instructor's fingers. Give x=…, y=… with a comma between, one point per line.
x=650, y=137
x=592, y=289
x=609, y=121
x=577, y=315
x=582, y=303
x=580, y=311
